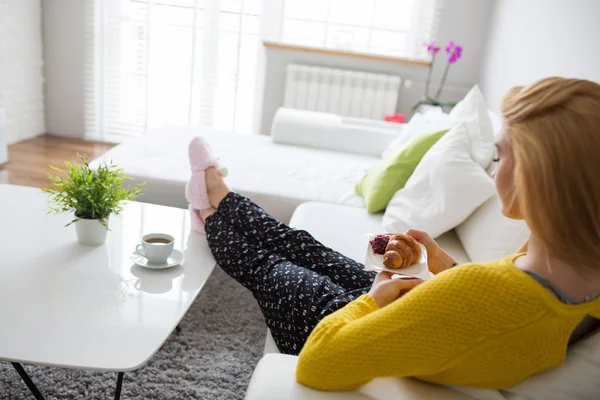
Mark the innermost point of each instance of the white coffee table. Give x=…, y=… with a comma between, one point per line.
x=67, y=305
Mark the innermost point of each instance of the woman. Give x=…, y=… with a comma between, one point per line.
x=484, y=325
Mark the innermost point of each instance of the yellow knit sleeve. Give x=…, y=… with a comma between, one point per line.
x=415, y=335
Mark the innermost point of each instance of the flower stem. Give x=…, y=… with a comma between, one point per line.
x=429, y=76
x=443, y=82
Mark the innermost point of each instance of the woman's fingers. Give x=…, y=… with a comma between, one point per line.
x=423, y=237
x=385, y=289
x=402, y=285
x=420, y=236
x=407, y=284
x=382, y=276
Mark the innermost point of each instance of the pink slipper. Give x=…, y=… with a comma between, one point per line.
x=201, y=158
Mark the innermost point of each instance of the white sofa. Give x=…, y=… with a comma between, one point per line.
x=274, y=171
x=305, y=173
x=344, y=230
x=485, y=235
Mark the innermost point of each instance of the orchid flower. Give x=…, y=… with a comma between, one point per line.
x=432, y=47
x=454, y=52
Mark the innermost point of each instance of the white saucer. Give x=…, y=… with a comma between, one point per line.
x=174, y=259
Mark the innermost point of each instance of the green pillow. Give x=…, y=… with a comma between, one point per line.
x=378, y=185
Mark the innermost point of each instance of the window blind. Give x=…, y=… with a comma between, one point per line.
x=151, y=63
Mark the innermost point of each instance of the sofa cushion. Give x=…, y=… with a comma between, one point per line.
x=497, y=122
x=488, y=235
x=474, y=110
x=274, y=378
x=429, y=121
x=341, y=228
x=446, y=187
x=270, y=346
x=278, y=177
x=389, y=175
x=334, y=132
x=344, y=229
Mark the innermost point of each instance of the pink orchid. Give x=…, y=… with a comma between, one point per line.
x=432, y=47
x=454, y=51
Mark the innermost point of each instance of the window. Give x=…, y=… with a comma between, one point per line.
x=395, y=28
x=152, y=63
x=170, y=62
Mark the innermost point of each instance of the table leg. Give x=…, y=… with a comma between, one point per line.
x=32, y=388
x=119, y=384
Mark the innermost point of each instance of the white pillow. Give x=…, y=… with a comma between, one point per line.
x=431, y=121
x=577, y=378
x=474, y=109
x=446, y=187
x=332, y=132
x=488, y=235
x=497, y=122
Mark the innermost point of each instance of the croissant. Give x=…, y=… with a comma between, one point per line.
x=401, y=252
x=411, y=241
x=403, y=249
x=393, y=259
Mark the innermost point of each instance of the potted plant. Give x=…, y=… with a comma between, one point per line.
x=92, y=195
x=454, y=52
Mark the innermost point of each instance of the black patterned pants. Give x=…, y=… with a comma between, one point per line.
x=295, y=279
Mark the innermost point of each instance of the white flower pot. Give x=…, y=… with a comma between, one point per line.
x=91, y=232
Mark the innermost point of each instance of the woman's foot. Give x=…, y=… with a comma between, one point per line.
x=201, y=160
x=216, y=187
x=216, y=190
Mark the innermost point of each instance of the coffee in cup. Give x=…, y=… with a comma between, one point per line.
x=156, y=247
x=159, y=240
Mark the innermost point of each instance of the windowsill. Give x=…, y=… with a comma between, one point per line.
x=343, y=53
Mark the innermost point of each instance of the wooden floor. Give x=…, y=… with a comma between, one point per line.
x=28, y=161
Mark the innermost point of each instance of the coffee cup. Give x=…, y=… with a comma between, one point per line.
x=156, y=247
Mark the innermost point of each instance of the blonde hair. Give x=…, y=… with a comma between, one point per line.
x=553, y=127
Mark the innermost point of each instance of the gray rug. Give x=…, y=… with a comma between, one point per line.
x=212, y=357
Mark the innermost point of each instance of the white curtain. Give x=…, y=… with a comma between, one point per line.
x=170, y=62
x=195, y=62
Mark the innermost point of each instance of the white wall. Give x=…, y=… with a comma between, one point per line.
x=64, y=58
x=464, y=21
x=21, y=69
x=534, y=39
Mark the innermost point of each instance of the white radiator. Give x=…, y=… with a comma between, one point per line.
x=342, y=92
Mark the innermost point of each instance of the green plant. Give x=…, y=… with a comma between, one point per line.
x=90, y=194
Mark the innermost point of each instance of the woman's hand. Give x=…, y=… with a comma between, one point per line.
x=385, y=289
x=437, y=259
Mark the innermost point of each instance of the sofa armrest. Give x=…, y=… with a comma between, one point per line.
x=333, y=132
x=275, y=379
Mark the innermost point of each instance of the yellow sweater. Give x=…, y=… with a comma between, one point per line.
x=482, y=325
